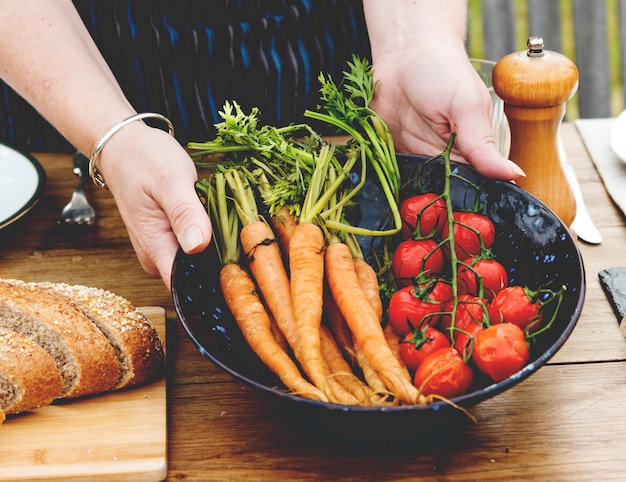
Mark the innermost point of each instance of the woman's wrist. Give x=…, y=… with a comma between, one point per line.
x=404, y=25
x=115, y=131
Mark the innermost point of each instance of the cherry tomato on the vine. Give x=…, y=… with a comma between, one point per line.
x=469, y=228
x=500, y=351
x=465, y=337
x=469, y=321
x=517, y=305
x=444, y=373
x=413, y=257
x=414, y=307
x=418, y=344
x=423, y=215
x=486, y=271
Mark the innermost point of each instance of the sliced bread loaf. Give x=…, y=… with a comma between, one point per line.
x=135, y=340
x=29, y=377
x=83, y=355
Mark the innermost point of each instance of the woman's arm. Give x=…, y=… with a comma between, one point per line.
x=48, y=57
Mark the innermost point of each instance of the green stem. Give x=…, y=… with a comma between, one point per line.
x=225, y=220
x=314, y=200
x=243, y=195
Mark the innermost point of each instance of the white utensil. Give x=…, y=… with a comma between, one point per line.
x=582, y=224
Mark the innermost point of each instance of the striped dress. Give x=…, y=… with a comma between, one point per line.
x=185, y=58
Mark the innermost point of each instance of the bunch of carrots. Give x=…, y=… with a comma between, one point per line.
x=293, y=274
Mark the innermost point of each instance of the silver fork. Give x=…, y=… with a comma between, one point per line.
x=78, y=211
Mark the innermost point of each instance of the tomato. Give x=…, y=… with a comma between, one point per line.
x=469, y=228
x=418, y=344
x=469, y=321
x=413, y=257
x=408, y=312
x=517, y=305
x=470, y=308
x=465, y=337
x=414, y=307
x=444, y=373
x=423, y=215
x=500, y=351
x=476, y=270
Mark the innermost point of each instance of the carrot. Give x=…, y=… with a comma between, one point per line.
x=246, y=307
x=351, y=350
x=369, y=282
x=263, y=254
x=267, y=267
x=363, y=322
x=393, y=341
x=278, y=334
x=241, y=296
x=339, y=329
x=371, y=377
x=368, y=278
x=268, y=270
x=283, y=223
x=281, y=218
x=306, y=264
x=341, y=370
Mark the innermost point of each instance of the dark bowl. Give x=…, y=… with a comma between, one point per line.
x=532, y=242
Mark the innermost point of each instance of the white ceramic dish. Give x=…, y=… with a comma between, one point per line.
x=21, y=181
x=618, y=136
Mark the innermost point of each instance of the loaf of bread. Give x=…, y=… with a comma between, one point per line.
x=85, y=357
x=29, y=377
x=136, y=342
x=96, y=341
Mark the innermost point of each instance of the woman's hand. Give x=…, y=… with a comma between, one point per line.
x=152, y=179
x=427, y=87
x=424, y=95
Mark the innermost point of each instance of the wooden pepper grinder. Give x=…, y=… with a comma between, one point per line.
x=535, y=85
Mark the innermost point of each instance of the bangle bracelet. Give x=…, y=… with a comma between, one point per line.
x=94, y=173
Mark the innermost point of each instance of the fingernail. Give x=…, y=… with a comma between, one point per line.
x=192, y=240
x=516, y=169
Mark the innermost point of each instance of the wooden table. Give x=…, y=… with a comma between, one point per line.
x=566, y=422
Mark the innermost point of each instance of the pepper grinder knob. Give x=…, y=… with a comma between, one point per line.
x=535, y=85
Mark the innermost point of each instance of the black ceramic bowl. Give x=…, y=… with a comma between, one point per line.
x=532, y=242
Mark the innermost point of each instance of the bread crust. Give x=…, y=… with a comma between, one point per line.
x=135, y=340
x=41, y=315
x=30, y=370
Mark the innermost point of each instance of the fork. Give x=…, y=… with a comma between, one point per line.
x=78, y=211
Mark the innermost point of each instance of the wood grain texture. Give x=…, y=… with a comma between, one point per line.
x=558, y=425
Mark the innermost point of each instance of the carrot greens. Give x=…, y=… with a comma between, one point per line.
x=289, y=156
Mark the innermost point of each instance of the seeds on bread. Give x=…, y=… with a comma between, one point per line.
x=136, y=342
x=84, y=356
x=29, y=377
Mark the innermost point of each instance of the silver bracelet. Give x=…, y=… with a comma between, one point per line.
x=94, y=173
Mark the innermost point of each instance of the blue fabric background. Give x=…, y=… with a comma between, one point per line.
x=185, y=58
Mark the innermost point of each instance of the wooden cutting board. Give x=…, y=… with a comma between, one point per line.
x=116, y=436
